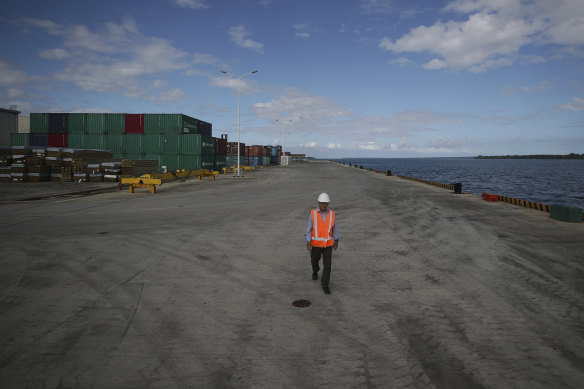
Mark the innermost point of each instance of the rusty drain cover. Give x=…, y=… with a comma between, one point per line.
x=301, y=303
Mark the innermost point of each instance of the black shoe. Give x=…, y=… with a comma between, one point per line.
x=314, y=275
x=326, y=290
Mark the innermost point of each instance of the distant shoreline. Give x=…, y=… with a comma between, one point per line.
x=536, y=156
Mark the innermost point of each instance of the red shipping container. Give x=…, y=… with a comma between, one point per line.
x=134, y=123
x=220, y=146
x=57, y=140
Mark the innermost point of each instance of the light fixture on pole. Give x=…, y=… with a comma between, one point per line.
x=238, y=130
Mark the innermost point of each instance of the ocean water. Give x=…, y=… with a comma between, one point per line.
x=545, y=181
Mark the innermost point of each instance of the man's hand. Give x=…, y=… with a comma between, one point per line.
x=335, y=245
x=308, y=246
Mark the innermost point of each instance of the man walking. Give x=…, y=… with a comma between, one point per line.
x=321, y=239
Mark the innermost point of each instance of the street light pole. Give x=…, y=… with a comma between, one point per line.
x=238, y=116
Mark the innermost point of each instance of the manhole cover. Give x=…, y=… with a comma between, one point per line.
x=301, y=303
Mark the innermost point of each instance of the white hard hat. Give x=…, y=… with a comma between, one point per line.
x=324, y=198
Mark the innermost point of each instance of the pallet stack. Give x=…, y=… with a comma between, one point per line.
x=112, y=171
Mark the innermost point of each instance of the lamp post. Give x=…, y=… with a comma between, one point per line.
x=238, y=131
x=284, y=136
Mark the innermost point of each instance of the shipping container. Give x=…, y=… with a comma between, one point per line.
x=208, y=161
x=232, y=148
x=58, y=123
x=21, y=139
x=57, y=140
x=115, y=123
x=133, y=156
x=134, y=123
x=220, y=146
x=205, y=128
x=115, y=144
x=170, y=123
x=152, y=143
x=266, y=161
x=77, y=122
x=190, y=161
x=39, y=123
x=38, y=140
x=95, y=141
x=253, y=161
x=191, y=144
x=231, y=160
x=207, y=145
x=133, y=144
x=171, y=161
x=219, y=162
x=96, y=123
x=76, y=140
x=170, y=144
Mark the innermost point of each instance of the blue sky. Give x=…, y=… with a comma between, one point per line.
x=359, y=78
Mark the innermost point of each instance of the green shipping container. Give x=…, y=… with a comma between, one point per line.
x=133, y=156
x=96, y=123
x=152, y=143
x=231, y=160
x=219, y=162
x=76, y=140
x=21, y=139
x=207, y=161
x=115, y=143
x=77, y=122
x=39, y=123
x=172, y=162
x=133, y=143
x=266, y=161
x=115, y=123
x=95, y=141
x=170, y=144
x=197, y=144
x=170, y=123
x=190, y=161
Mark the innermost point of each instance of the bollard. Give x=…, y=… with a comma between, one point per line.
x=361, y=167
x=389, y=173
x=458, y=188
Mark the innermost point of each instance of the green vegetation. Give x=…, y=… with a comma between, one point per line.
x=536, y=156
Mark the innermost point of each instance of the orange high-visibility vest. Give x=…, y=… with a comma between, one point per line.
x=322, y=233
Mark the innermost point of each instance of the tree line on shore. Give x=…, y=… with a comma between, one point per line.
x=534, y=156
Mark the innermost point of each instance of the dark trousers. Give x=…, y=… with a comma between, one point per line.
x=327, y=257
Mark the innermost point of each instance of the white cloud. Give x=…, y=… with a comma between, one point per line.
x=302, y=30
x=245, y=86
x=116, y=58
x=11, y=75
x=192, y=4
x=333, y=146
x=311, y=144
x=169, y=96
x=494, y=33
x=304, y=110
x=202, y=58
x=239, y=37
x=371, y=146
x=158, y=84
x=56, y=54
x=265, y=3
x=377, y=6
x=577, y=104
x=401, y=61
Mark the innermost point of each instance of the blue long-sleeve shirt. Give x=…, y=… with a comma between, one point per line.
x=309, y=227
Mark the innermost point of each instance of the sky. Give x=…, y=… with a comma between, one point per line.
x=343, y=78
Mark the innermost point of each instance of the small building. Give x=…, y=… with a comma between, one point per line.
x=8, y=125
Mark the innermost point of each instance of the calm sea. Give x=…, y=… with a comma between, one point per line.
x=546, y=181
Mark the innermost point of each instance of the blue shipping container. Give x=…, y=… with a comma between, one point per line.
x=38, y=140
x=58, y=123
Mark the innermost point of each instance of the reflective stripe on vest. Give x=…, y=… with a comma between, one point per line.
x=322, y=235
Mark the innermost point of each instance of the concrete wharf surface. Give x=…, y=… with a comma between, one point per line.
x=192, y=287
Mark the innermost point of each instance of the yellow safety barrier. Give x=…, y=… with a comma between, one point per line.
x=151, y=180
x=526, y=204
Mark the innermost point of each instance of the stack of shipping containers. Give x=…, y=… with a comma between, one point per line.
x=231, y=158
x=176, y=141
